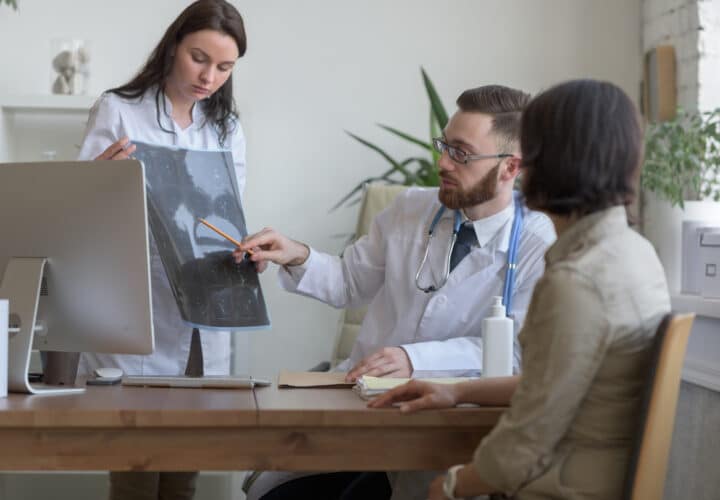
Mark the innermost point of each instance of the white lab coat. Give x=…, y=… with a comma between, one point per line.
x=440, y=330
x=111, y=118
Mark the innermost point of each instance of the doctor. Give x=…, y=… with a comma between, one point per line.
x=427, y=315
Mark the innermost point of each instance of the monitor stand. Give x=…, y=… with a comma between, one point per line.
x=195, y=366
x=21, y=285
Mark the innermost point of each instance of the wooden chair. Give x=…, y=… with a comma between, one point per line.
x=648, y=463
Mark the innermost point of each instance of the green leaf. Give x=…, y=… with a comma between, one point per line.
x=420, y=171
x=374, y=148
x=409, y=138
x=435, y=103
x=682, y=157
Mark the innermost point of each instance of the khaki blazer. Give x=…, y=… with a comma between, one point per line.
x=585, y=353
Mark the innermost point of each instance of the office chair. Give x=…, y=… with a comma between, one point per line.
x=645, y=479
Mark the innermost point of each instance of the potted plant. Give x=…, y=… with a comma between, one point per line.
x=11, y=3
x=414, y=170
x=682, y=157
x=681, y=181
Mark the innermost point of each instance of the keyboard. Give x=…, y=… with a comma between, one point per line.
x=205, y=382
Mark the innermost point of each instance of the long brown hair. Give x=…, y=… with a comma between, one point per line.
x=216, y=15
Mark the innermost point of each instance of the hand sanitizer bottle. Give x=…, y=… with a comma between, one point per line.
x=497, y=334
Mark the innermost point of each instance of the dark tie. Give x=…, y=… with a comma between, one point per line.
x=466, y=238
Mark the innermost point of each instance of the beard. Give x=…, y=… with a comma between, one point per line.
x=484, y=190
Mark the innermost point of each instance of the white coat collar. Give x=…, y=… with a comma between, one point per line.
x=493, y=230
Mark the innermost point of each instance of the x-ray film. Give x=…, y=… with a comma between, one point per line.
x=211, y=290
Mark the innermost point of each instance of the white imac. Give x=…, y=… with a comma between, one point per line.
x=74, y=262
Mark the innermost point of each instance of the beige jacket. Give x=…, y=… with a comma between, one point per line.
x=585, y=346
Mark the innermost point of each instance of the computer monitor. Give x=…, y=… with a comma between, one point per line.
x=77, y=233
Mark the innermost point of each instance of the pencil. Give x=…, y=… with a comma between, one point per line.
x=224, y=235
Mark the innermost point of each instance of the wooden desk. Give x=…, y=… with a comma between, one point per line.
x=130, y=428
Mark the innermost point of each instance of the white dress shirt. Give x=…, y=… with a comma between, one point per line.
x=111, y=118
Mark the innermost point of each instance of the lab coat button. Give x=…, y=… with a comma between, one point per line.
x=442, y=300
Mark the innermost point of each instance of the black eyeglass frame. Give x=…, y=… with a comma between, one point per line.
x=460, y=156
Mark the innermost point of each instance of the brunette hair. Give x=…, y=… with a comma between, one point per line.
x=581, y=147
x=216, y=15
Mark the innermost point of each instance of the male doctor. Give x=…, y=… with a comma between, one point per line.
x=432, y=322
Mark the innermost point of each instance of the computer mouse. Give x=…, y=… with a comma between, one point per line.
x=111, y=373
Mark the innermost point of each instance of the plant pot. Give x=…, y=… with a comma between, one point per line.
x=662, y=225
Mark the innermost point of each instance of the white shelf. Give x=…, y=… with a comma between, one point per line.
x=699, y=305
x=48, y=103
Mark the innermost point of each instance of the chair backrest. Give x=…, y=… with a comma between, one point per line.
x=376, y=197
x=648, y=464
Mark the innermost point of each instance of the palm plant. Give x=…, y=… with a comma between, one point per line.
x=414, y=170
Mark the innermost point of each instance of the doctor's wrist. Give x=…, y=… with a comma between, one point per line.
x=301, y=252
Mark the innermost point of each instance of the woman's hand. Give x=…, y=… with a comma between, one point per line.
x=435, y=492
x=120, y=150
x=417, y=395
x=468, y=484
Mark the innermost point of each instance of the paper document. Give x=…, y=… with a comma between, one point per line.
x=299, y=380
x=368, y=387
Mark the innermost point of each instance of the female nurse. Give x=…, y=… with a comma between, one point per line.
x=182, y=97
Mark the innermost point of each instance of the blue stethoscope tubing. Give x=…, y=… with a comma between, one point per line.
x=515, y=231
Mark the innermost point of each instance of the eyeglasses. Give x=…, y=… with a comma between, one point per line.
x=461, y=156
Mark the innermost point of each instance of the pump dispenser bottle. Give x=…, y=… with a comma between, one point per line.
x=497, y=332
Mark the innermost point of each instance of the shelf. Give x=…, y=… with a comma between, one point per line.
x=48, y=103
x=699, y=305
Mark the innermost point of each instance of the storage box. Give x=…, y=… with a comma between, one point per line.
x=701, y=259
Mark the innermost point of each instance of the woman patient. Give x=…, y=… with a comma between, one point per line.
x=589, y=328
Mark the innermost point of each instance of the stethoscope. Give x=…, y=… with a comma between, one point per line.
x=511, y=259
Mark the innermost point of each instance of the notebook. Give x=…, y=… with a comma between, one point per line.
x=369, y=387
x=307, y=380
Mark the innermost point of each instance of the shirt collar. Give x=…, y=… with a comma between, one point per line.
x=587, y=230
x=197, y=115
x=494, y=229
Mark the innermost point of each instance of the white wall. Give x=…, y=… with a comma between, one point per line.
x=317, y=67
x=709, y=50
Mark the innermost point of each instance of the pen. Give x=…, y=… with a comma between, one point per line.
x=224, y=235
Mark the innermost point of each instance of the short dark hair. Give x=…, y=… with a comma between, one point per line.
x=582, y=146
x=504, y=104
